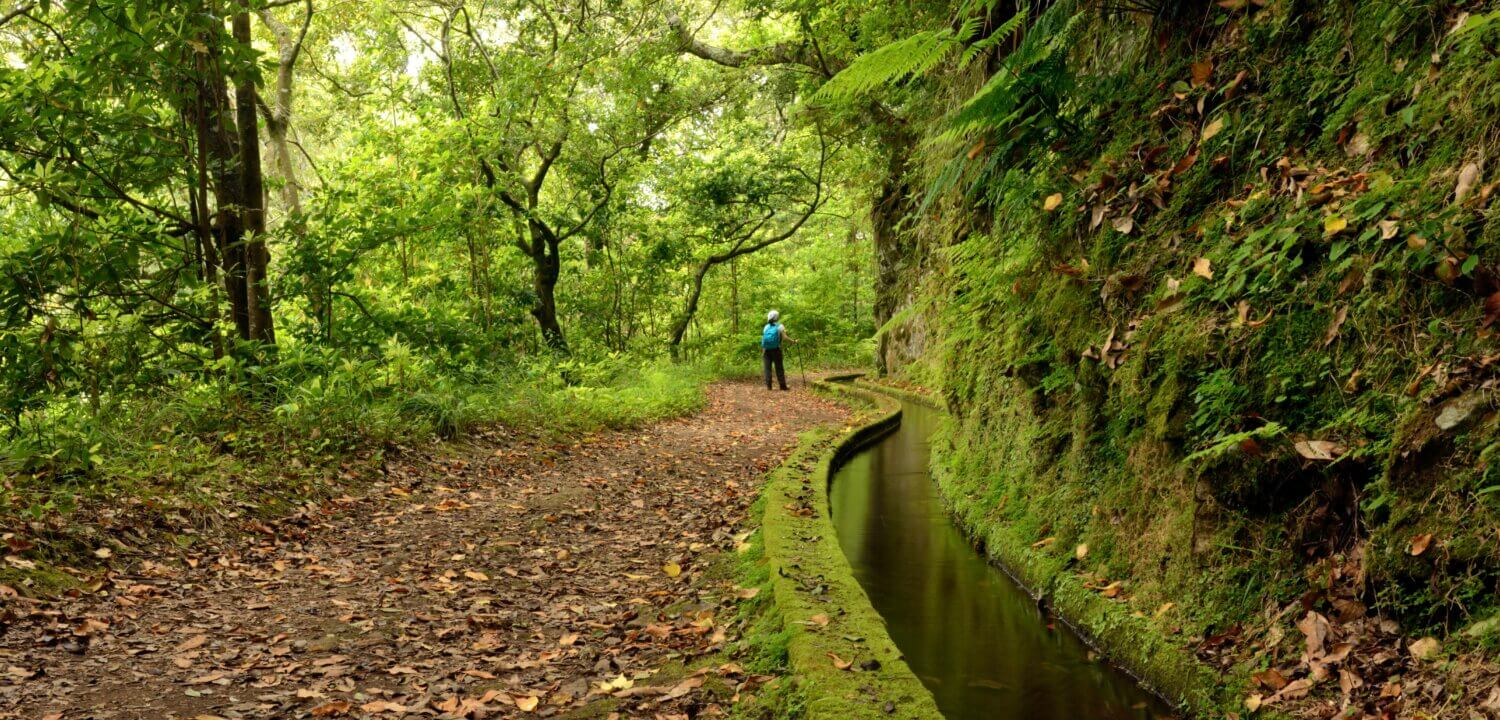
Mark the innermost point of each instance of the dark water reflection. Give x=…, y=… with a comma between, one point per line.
x=977, y=640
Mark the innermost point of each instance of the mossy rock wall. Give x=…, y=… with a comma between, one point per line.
x=1255, y=334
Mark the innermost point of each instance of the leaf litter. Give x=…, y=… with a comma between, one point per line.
x=498, y=577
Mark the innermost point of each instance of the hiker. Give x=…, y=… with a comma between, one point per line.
x=771, y=338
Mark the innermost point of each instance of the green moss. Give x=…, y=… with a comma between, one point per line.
x=810, y=576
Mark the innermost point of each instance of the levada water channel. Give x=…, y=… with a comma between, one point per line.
x=974, y=637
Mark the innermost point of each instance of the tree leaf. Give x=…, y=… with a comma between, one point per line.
x=1418, y=544
x=1213, y=129
x=1052, y=202
x=1203, y=267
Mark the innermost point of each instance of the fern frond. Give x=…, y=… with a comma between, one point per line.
x=890, y=64
x=1001, y=34
x=1000, y=96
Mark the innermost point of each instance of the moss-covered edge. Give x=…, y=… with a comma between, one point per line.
x=811, y=578
x=1159, y=662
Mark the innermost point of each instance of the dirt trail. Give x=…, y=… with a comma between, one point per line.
x=502, y=579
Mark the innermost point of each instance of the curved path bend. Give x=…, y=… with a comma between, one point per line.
x=499, y=577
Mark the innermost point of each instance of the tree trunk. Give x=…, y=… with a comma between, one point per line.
x=278, y=119
x=548, y=266
x=734, y=297
x=690, y=306
x=257, y=258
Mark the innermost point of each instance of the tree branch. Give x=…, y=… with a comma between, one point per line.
x=802, y=53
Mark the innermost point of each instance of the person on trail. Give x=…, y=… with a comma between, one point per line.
x=771, y=338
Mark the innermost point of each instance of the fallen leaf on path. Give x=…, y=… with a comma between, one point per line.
x=1314, y=629
x=330, y=709
x=1425, y=649
x=1269, y=679
x=380, y=706
x=839, y=662
x=527, y=703
x=672, y=569
x=1052, y=202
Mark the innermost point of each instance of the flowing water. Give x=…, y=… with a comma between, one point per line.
x=974, y=637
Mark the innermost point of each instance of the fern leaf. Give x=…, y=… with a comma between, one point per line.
x=890, y=64
x=1001, y=34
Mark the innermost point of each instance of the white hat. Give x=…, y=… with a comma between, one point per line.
x=772, y=316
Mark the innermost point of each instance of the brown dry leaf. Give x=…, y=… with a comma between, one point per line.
x=1339, y=316
x=1185, y=163
x=1044, y=542
x=568, y=640
x=821, y=620
x=90, y=626
x=475, y=575
x=1314, y=629
x=1425, y=649
x=1349, y=682
x=1096, y=216
x=104, y=553
x=672, y=569
x=1293, y=690
x=1204, y=268
x=330, y=709
x=686, y=686
x=527, y=703
x=1111, y=590
x=1123, y=224
x=1082, y=551
x=1270, y=679
x=382, y=706
x=192, y=643
x=1467, y=178
x=1052, y=202
x=978, y=148
x=1254, y=702
x=206, y=679
x=1202, y=71
x=1389, y=229
x=746, y=593
x=839, y=662
x=1418, y=544
x=1213, y=129
x=1318, y=449
x=1163, y=610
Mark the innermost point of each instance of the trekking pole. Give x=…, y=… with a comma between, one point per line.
x=802, y=366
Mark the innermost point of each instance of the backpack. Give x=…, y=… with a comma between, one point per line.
x=770, y=338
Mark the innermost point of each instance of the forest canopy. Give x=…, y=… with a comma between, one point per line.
x=257, y=205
